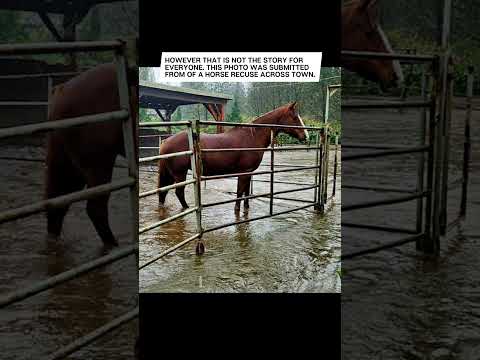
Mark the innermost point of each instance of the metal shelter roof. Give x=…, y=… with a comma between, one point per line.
x=160, y=96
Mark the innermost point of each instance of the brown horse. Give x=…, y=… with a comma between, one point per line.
x=85, y=155
x=361, y=31
x=175, y=169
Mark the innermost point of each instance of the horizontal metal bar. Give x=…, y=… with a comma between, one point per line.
x=60, y=201
x=164, y=123
x=23, y=103
x=169, y=250
x=390, y=229
x=165, y=156
x=257, y=218
x=400, y=151
x=234, y=200
x=149, y=136
x=39, y=286
x=385, y=104
x=94, y=335
x=215, y=177
x=257, y=196
x=282, y=182
x=297, y=200
x=374, y=146
x=118, y=163
x=283, y=148
x=33, y=76
x=387, y=201
x=166, y=188
x=61, y=124
x=282, y=165
x=379, y=188
x=297, y=189
x=58, y=47
x=391, y=56
x=389, y=245
x=167, y=220
x=274, y=126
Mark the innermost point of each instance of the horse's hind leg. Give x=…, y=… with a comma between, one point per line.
x=241, y=184
x=61, y=178
x=97, y=207
x=164, y=179
x=247, y=191
x=180, y=191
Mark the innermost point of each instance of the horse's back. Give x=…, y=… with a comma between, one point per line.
x=213, y=163
x=92, y=92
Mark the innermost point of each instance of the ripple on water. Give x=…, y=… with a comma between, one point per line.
x=294, y=252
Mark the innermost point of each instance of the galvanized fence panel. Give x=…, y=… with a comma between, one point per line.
x=195, y=154
x=436, y=186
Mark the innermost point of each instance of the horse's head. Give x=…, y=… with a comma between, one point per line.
x=361, y=31
x=291, y=117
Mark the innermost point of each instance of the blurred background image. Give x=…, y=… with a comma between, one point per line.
x=39, y=318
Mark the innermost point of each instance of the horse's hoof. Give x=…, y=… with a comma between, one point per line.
x=200, y=248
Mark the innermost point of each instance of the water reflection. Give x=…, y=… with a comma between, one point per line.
x=297, y=251
x=41, y=324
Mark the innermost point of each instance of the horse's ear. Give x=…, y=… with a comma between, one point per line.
x=364, y=4
x=370, y=7
x=293, y=106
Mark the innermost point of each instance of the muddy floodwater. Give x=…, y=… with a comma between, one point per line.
x=399, y=304
x=40, y=325
x=294, y=252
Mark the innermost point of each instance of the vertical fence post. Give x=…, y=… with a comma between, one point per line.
x=272, y=168
x=421, y=158
x=442, y=129
x=335, y=166
x=326, y=151
x=129, y=135
x=317, y=171
x=427, y=244
x=439, y=152
x=466, y=142
x=195, y=161
x=318, y=178
x=446, y=150
x=326, y=157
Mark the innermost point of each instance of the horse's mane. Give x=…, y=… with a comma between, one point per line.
x=271, y=112
x=260, y=118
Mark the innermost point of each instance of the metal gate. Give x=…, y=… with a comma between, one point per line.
x=319, y=184
x=430, y=193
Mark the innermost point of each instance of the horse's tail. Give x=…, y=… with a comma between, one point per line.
x=164, y=177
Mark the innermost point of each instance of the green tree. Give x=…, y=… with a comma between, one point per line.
x=234, y=115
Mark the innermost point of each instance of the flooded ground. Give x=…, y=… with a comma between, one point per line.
x=43, y=323
x=398, y=304
x=295, y=252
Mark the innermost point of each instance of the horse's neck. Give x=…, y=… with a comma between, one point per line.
x=262, y=135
